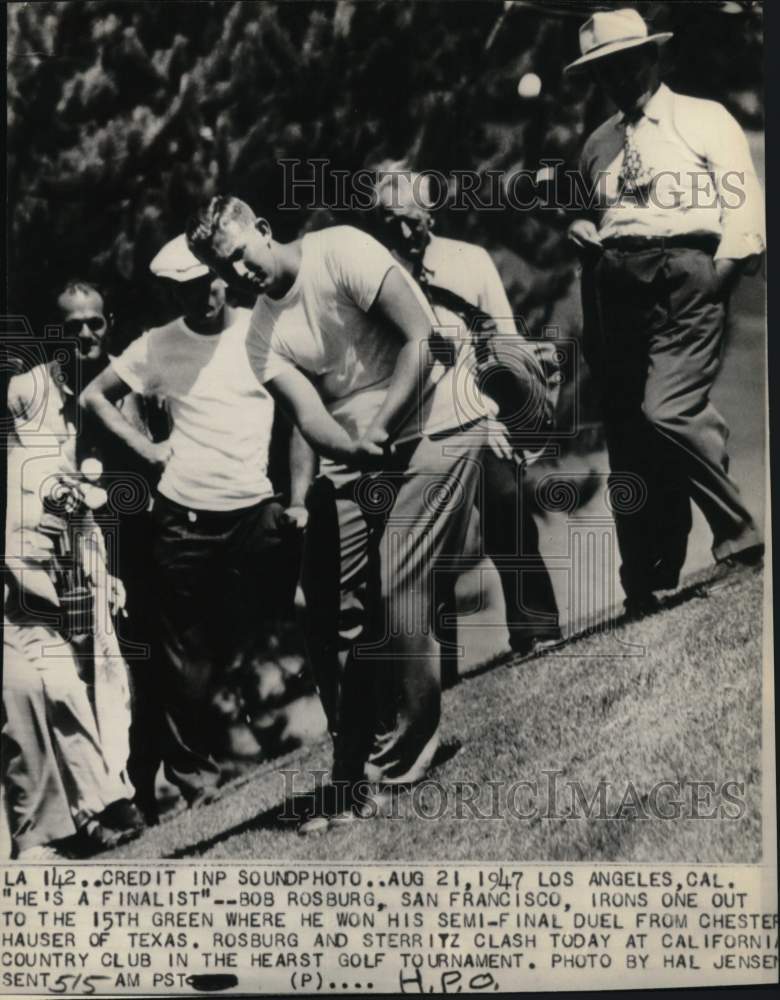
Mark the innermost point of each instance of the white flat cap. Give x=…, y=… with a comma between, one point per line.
x=177, y=262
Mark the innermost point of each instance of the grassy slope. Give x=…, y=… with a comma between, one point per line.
x=687, y=708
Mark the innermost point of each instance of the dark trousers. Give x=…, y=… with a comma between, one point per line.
x=221, y=577
x=129, y=544
x=510, y=538
x=655, y=349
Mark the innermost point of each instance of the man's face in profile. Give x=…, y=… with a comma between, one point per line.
x=82, y=314
x=242, y=255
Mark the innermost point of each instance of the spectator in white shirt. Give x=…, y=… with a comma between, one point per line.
x=461, y=281
x=66, y=698
x=676, y=213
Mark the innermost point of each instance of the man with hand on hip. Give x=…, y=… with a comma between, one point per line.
x=219, y=558
x=676, y=214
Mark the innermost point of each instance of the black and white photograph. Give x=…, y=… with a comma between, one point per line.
x=387, y=483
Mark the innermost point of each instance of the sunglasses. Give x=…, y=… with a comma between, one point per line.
x=73, y=327
x=414, y=222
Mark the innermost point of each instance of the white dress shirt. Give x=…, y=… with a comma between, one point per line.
x=704, y=181
x=468, y=271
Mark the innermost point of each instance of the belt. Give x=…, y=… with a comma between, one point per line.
x=641, y=244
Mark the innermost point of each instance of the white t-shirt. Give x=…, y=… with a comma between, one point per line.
x=322, y=327
x=221, y=417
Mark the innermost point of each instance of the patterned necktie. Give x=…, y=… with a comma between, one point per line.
x=634, y=174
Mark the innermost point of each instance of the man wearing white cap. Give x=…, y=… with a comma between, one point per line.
x=217, y=523
x=676, y=212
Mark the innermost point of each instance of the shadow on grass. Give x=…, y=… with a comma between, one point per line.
x=615, y=617
x=283, y=816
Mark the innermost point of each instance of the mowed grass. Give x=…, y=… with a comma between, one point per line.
x=685, y=708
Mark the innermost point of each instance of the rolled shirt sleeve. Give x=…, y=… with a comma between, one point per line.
x=739, y=191
x=359, y=265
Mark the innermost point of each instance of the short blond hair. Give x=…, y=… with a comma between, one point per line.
x=213, y=218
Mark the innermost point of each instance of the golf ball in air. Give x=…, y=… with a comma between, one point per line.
x=530, y=85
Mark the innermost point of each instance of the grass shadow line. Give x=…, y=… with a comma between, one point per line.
x=280, y=816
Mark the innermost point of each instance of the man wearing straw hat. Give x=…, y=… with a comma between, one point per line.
x=675, y=210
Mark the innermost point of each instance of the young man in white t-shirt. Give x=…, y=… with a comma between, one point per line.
x=219, y=529
x=342, y=338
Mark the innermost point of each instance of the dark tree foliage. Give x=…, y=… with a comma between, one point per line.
x=123, y=116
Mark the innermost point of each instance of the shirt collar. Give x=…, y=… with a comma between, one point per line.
x=656, y=108
x=427, y=273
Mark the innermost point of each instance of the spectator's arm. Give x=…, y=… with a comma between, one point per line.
x=100, y=398
x=28, y=556
x=739, y=192
x=582, y=191
x=303, y=469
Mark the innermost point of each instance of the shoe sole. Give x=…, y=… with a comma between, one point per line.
x=539, y=650
x=314, y=826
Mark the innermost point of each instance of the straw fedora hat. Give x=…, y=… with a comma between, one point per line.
x=611, y=31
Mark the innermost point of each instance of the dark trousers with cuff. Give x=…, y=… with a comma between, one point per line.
x=219, y=574
x=656, y=351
